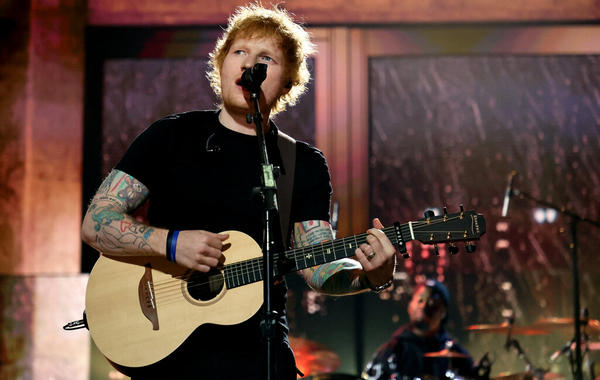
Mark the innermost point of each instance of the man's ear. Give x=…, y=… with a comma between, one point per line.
x=286, y=89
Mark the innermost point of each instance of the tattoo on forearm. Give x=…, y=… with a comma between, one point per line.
x=334, y=278
x=311, y=232
x=115, y=230
x=112, y=238
x=104, y=215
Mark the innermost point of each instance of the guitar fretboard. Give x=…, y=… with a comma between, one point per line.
x=448, y=228
x=249, y=271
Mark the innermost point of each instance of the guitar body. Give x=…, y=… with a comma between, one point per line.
x=140, y=309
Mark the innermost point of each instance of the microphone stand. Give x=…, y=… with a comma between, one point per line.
x=575, y=219
x=268, y=195
x=538, y=373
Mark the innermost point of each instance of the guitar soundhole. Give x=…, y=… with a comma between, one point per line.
x=205, y=286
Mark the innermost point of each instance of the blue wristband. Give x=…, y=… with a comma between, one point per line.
x=172, y=244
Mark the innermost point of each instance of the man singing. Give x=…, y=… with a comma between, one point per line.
x=198, y=170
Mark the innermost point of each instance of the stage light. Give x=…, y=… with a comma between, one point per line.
x=502, y=226
x=539, y=214
x=545, y=215
x=502, y=244
x=551, y=215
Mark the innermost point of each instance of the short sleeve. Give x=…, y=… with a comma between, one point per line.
x=145, y=154
x=312, y=185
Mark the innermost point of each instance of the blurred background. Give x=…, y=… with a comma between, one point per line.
x=416, y=105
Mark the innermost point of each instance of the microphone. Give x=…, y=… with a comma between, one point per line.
x=253, y=77
x=508, y=193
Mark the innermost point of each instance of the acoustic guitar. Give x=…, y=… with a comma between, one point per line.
x=140, y=309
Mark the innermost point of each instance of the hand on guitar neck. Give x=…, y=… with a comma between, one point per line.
x=377, y=256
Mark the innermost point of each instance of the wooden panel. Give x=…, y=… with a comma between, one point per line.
x=14, y=34
x=178, y=12
x=40, y=144
x=32, y=343
x=53, y=130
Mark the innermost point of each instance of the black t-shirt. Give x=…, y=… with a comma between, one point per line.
x=403, y=356
x=200, y=175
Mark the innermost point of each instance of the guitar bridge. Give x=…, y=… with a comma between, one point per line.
x=147, y=298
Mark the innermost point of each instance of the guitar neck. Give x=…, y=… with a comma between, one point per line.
x=329, y=251
x=245, y=272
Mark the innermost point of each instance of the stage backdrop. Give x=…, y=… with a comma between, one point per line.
x=447, y=130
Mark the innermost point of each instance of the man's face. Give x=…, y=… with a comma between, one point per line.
x=244, y=53
x=425, y=311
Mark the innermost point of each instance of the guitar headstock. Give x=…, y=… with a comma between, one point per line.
x=449, y=228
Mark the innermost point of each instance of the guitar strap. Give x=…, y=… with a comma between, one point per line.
x=285, y=183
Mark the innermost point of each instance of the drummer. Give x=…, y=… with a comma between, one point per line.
x=423, y=347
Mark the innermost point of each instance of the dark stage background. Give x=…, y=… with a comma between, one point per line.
x=443, y=130
x=448, y=130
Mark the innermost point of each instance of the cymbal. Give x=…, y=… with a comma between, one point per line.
x=593, y=346
x=593, y=325
x=445, y=353
x=527, y=376
x=503, y=329
x=313, y=357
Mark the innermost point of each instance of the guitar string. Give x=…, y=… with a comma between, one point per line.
x=241, y=271
x=237, y=269
x=223, y=279
x=175, y=295
x=244, y=270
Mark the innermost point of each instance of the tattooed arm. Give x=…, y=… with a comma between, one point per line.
x=336, y=278
x=109, y=227
x=347, y=276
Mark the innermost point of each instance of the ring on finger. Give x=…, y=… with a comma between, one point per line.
x=370, y=256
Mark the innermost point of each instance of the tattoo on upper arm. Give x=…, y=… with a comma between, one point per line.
x=118, y=195
x=124, y=188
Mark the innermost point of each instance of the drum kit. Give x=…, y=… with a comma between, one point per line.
x=318, y=362
x=543, y=326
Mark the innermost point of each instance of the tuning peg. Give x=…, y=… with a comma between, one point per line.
x=470, y=247
x=436, y=250
x=453, y=249
x=428, y=214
